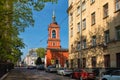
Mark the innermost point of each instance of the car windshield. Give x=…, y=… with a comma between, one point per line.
x=80, y=70
x=51, y=66
x=117, y=73
x=61, y=68
x=108, y=72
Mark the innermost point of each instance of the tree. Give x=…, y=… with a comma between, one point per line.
x=38, y=61
x=16, y=15
x=40, y=52
x=23, y=11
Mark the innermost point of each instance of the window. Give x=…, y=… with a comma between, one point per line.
x=118, y=60
x=83, y=5
x=84, y=62
x=53, y=34
x=71, y=63
x=93, y=18
x=107, y=61
x=116, y=73
x=78, y=63
x=118, y=33
x=92, y=1
x=71, y=17
x=57, y=61
x=84, y=43
x=67, y=63
x=78, y=27
x=94, y=41
x=84, y=23
x=93, y=62
x=117, y=7
x=105, y=10
x=71, y=32
x=53, y=44
x=107, y=36
x=72, y=48
x=78, y=9
x=78, y=46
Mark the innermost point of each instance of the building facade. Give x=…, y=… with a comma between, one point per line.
x=55, y=55
x=31, y=58
x=94, y=33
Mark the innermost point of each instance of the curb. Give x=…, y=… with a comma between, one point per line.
x=3, y=77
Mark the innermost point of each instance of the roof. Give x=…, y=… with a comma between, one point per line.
x=61, y=49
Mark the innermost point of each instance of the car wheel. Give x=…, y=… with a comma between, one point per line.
x=71, y=75
x=62, y=74
x=80, y=78
x=104, y=79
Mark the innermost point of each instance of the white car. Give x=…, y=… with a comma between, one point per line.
x=114, y=75
x=64, y=71
x=58, y=70
x=51, y=69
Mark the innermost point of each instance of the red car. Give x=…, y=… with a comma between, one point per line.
x=81, y=73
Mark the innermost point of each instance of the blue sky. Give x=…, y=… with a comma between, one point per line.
x=35, y=37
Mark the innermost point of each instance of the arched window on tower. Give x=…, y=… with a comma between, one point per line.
x=53, y=34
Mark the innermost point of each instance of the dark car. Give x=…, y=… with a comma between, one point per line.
x=81, y=73
x=31, y=67
x=40, y=67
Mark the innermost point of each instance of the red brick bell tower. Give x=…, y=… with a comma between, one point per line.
x=53, y=34
x=55, y=55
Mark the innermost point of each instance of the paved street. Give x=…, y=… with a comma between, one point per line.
x=27, y=74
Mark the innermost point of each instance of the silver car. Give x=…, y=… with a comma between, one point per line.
x=64, y=71
x=51, y=69
x=114, y=75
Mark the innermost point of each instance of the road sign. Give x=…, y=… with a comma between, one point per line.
x=52, y=61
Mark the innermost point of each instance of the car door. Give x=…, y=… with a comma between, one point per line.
x=76, y=73
x=115, y=75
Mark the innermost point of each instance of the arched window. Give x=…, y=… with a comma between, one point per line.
x=53, y=34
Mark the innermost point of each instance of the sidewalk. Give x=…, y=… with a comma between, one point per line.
x=14, y=74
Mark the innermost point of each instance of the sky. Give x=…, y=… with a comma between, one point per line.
x=36, y=37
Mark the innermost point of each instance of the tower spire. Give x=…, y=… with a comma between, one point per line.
x=53, y=16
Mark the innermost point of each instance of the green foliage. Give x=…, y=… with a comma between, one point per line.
x=15, y=16
x=41, y=52
x=38, y=61
x=23, y=11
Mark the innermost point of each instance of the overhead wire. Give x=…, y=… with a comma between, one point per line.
x=61, y=23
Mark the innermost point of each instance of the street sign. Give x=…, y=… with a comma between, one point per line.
x=52, y=61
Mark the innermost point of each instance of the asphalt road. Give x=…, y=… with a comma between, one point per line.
x=27, y=74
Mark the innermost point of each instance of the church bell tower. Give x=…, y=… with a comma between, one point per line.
x=53, y=34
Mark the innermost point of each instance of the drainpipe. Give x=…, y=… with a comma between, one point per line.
x=81, y=63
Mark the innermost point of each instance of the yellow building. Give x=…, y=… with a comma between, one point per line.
x=94, y=33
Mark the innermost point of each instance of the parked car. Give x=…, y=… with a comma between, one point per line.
x=64, y=71
x=58, y=70
x=114, y=75
x=81, y=73
x=107, y=72
x=31, y=67
x=51, y=69
x=40, y=67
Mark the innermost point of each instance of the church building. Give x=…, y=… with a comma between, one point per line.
x=55, y=55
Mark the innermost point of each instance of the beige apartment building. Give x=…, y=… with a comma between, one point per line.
x=94, y=33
